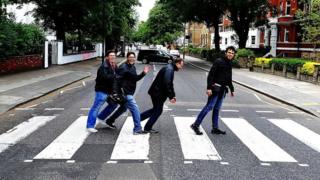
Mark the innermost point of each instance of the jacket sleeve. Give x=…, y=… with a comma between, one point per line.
x=230, y=84
x=210, y=79
x=168, y=82
x=140, y=76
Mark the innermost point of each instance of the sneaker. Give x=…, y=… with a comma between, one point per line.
x=152, y=131
x=111, y=125
x=196, y=129
x=92, y=130
x=217, y=131
x=101, y=122
x=139, y=132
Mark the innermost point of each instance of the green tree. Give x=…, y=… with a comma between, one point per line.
x=310, y=22
x=244, y=14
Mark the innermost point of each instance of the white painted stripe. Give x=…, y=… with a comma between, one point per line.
x=260, y=145
x=187, y=162
x=148, y=162
x=28, y=161
x=129, y=146
x=198, y=110
x=229, y=110
x=54, y=109
x=22, y=130
x=112, y=162
x=300, y=132
x=194, y=146
x=265, y=164
x=24, y=109
x=165, y=106
x=264, y=111
x=304, y=165
x=293, y=112
x=65, y=145
x=224, y=163
x=259, y=99
x=70, y=161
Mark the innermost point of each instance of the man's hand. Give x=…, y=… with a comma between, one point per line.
x=209, y=92
x=232, y=94
x=173, y=100
x=146, y=69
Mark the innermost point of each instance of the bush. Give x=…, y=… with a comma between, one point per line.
x=244, y=53
x=264, y=61
x=308, y=68
x=292, y=63
x=212, y=55
x=18, y=39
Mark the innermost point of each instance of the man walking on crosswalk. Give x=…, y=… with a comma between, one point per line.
x=161, y=89
x=220, y=76
x=104, y=82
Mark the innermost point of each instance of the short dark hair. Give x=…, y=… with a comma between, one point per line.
x=231, y=48
x=178, y=60
x=110, y=51
x=129, y=53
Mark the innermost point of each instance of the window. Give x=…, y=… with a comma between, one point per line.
x=226, y=41
x=286, y=35
x=253, y=40
x=288, y=8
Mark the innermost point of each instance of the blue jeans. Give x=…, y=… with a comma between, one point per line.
x=135, y=112
x=99, y=100
x=214, y=102
x=154, y=113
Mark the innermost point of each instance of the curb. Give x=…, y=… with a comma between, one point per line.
x=261, y=92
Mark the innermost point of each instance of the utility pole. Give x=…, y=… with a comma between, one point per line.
x=103, y=29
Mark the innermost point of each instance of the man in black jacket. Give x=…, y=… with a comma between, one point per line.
x=161, y=89
x=220, y=76
x=104, y=83
x=126, y=83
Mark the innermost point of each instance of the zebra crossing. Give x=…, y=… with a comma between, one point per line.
x=192, y=147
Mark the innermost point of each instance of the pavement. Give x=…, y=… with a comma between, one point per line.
x=20, y=88
x=302, y=95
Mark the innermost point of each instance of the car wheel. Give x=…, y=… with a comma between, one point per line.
x=145, y=61
x=169, y=61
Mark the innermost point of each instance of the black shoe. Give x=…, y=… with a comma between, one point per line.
x=139, y=132
x=196, y=129
x=111, y=125
x=151, y=131
x=217, y=131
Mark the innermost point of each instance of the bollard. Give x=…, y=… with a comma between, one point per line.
x=316, y=73
x=272, y=68
x=284, y=70
x=298, y=77
x=262, y=66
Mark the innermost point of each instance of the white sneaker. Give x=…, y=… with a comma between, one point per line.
x=92, y=130
x=101, y=123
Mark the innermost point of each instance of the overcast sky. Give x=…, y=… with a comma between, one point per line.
x=143, y=11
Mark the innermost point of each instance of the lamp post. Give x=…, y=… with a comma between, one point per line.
x=103, y=29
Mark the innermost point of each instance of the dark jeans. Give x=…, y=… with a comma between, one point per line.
x=214, y=103
x=154, y=113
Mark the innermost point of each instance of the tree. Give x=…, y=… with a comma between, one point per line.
x=310, y=22
x=162, y=26
x=243, y=14
x=207, y=11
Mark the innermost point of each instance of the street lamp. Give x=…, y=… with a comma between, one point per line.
x=103, y=29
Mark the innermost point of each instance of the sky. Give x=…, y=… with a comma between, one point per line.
x=143, y=11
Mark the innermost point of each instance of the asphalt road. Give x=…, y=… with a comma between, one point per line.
x=255, y=147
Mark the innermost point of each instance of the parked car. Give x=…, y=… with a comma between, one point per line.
x=154, y=55
x=175, y=53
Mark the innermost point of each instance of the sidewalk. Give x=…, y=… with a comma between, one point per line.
x=19, y=88
x=302, y=95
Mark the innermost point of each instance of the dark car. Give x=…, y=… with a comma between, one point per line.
x=154, y=55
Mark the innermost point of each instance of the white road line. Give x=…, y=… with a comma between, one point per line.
x=257, y=97
x=84, y=109
x=24, y=109
x=300, y=132
x=54, y=109
x=265, y=112
x=148, y=162
x=304, y=165
x=22, y=130
x=65, y=145
x=112, y=162
x=70, y=161
x=197, y=110
x=224, y=163
x=129, y=146
x=187, y=162
x=229, y=110
x=294, y=112
x=165, y=106
x=265, y=164
x=28, y=161
x=260, y=145
x=194, y=146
